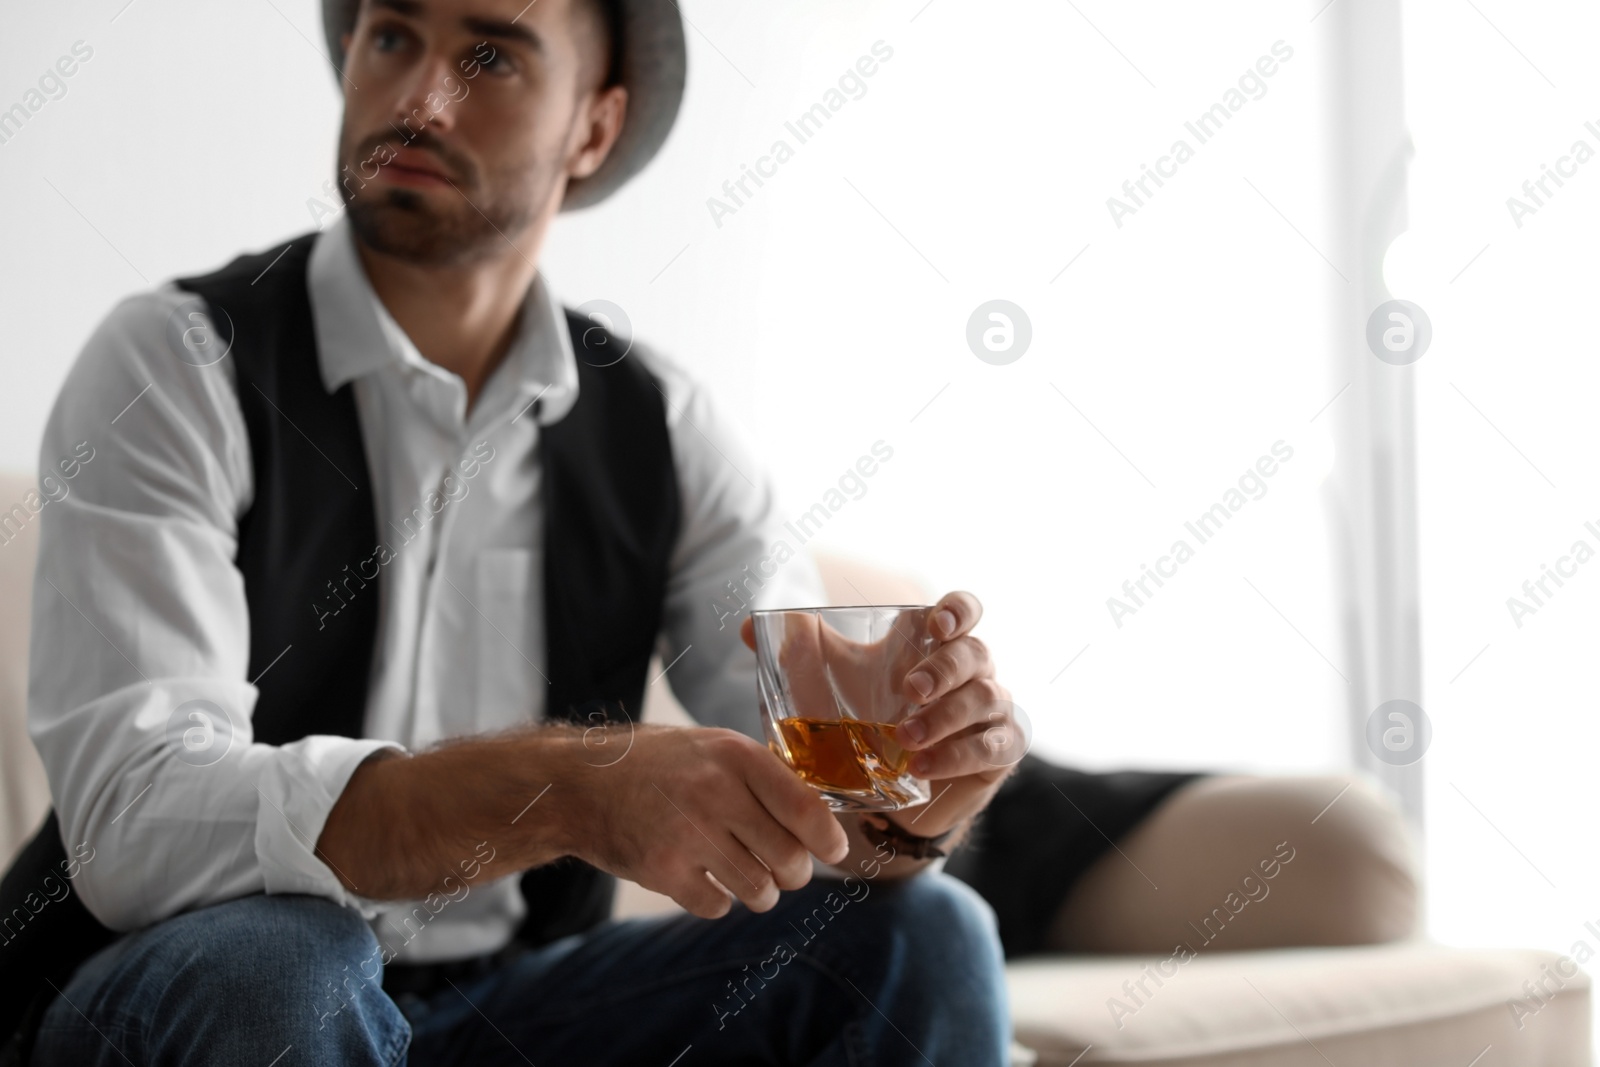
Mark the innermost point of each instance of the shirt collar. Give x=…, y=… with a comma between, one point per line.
x=357, y=336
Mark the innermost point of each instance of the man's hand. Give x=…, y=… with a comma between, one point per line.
x=688, y=802
x=966, y=737
x=683, y=806
x=681, y=803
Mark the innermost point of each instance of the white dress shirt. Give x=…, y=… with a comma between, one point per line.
x=139, y=609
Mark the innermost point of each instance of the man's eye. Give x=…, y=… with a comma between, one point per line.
x=491, y=59
x=385, y=39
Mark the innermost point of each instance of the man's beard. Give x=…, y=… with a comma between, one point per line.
x=464, y=225
x=407, y=225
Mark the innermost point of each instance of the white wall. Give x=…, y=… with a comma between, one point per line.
x=194, y=131
x=1187, y=337
x=1506, y=403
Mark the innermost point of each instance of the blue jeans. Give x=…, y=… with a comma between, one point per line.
x=884, y=974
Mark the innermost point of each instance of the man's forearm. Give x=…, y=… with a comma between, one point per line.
x=404, y=824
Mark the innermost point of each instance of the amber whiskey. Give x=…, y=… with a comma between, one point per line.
x=844, y=755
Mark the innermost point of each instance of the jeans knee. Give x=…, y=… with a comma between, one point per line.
x=296, y=963
x=287, y=945
x=926, y=951
x=224, y=984
x=937, y=921
x=949, y=904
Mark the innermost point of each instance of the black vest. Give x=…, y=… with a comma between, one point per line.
x=610, y=499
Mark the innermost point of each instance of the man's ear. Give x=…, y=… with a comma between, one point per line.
x=602, y=124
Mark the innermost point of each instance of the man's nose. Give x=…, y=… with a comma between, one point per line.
x=430, y=97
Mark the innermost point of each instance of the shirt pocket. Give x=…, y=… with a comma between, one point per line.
x=510, y=637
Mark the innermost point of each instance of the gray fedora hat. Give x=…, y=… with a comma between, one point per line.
x=651, y=64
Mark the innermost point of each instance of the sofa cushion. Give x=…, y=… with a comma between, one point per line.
x=1409, y=1004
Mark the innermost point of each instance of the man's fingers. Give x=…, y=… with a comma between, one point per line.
x=950, y=668
x=747, y=632
x=983, y=704
x=782, y=853
x=741, y=873
x=797, y=808
x=699, y=895
x=708, y=864
x=981, y=750
x=954, y=615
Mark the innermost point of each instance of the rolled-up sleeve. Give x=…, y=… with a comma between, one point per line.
x=139, y=699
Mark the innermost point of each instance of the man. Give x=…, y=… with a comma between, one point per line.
x=346, y=623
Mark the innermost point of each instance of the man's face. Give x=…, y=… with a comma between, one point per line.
x=464, y=119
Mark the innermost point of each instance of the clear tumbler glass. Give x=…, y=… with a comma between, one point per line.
x=830, y=682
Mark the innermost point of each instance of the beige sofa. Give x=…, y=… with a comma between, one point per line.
x=1406, y=1003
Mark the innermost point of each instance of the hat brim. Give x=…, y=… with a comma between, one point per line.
x=653, y=65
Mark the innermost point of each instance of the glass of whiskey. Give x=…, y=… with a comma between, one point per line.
x=831, y=682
